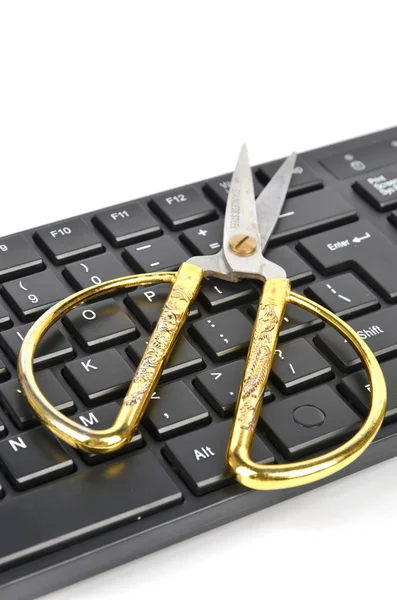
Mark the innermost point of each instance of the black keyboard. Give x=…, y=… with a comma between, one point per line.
x=66, y=515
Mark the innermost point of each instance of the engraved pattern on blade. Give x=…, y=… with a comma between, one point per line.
x=260, y=361
x=158, y=347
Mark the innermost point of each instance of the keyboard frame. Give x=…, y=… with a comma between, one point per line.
x=195, y=515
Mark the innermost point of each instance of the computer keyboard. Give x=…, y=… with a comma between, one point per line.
x=66, y=515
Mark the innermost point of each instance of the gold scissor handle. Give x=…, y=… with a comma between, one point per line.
x=186, y=284
x=276, y=293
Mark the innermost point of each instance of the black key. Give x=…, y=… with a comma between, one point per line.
x=200, y=457
x=68, y=241
x=359, y=160
x=223, y=336
x=204, y=240
x=94, y=270
x=18, y=257
x=157, y=255
x=297, y=366
x=312, y=212
x=183, y=208
x=99, y=499
x=379, y=189
x=147, y=303
x=297, y=270
x=393, y=218
x=127, y=224
x=5, y=319
x=218, y=189
x=303, y=180
x=19, y=409
x=103, y=417
x=32, y=295
x=173, y=410
x=4, y=374
x=361, y=247
x=3, y=432
x=184, y=358
x=357, y=389
x=296, y=321
x=344, y=294
x=53, y=348
x=100, y=325
x=378, y=330
x=308, y=422
x=34, y=457
x=216, y=294
x=100, y=377
x=220, y=387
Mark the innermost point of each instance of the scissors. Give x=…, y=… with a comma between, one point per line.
x=247, y=229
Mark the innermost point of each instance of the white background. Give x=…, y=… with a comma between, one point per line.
x=101, y=102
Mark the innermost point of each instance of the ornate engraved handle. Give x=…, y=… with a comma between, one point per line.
x=186, y=284
x=276, y=293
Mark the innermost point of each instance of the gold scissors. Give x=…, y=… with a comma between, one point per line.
x=247, y=229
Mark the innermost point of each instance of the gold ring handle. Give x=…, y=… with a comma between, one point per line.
x=186, y=284
x=276, y=293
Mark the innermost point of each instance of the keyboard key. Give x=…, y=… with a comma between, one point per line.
x=34, y=457
x=100, y=377
x=183, y=208
x=147, y=303
x=308, y=422
x=68, y=241
x=18, y=257
x=359, y=160
x=173, y=410
x=218, y=189
x=99, y=499
x=94, y=270
x=220, y=387
x=184, y=358
x=312, y=212
x=159, y=255
x=4, y=374
x=100, y=325
x=303, y=180
x=204, y=240
x=216, y=294
x=126, y=224
x=31, y=296
x=377, y=329
x=223, y=336
x=379, y=189
x=103, y=417
x=361, y=247
x=296, y=322
x=3, y=432
x=5, y=319
x=200, y=457
x=356, y=388
x=297, y=366
x=19, y=409
x=344, y=295
x=53, y=348
x=297, y=270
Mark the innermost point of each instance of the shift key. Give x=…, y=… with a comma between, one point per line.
x=378, y=330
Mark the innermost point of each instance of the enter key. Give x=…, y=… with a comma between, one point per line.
x=378, y=330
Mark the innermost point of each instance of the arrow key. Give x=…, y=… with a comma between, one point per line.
x=174, y=409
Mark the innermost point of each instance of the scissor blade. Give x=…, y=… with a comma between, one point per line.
x=240, y=215
x=270, y=202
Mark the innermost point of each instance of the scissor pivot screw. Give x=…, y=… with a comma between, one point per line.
x=243, y=245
